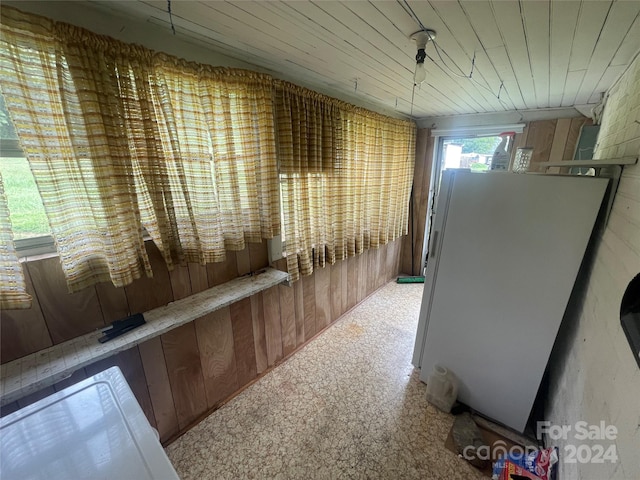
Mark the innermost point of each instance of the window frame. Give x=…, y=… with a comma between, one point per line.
x=26, y=247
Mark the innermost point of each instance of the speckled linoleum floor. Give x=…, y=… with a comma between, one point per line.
x=348, y=405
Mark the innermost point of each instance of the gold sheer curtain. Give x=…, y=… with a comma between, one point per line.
x=13, y=293
x=381, y=153
x=120, y=138
x=240, y=106
x=345, y=177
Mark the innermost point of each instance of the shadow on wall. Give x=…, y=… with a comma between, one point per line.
x=630, y=316
x=569, y=327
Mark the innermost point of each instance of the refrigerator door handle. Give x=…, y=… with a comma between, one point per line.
x=434, y=243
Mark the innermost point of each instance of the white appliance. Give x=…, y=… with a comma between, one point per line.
x=94, y=429
x=504, y=255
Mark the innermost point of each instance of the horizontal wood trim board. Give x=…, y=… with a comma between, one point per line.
x=44, y=368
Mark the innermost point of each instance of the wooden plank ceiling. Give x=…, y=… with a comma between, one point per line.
x=530, y=53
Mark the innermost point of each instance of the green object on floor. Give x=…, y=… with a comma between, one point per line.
x=418, y=279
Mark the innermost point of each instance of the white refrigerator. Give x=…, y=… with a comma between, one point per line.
x=505, y=251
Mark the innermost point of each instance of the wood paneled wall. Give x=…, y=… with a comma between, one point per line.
x=422, y=190
x=186, y=373
x=552, y=140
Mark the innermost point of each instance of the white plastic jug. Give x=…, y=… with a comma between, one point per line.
x=442, y=388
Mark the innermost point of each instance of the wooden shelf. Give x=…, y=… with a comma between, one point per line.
x=44, y=368
x=595, y=163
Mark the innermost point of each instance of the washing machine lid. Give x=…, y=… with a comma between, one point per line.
x=94, y=429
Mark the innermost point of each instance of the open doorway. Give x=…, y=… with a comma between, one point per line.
x=472, y=152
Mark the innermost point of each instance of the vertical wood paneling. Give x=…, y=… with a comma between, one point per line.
x=383, y=271
x=422, y=138
x=198, y=277
x=219, y=273
x=180, y=282
x=336, y=290
x=147, y=293
x=372, y=269
x=217, y=355
x=280, y=264
x=142, y=295
x=421, y=191
x=425, y=192
x=551, y=140
x=23, y=331
x=381, y=266
x=258, y=256
x=243, y=261
x=185, y=373
x=113, y=302
x=344, y=278
x=540, y=137
x=272, y=327
x=378, y=267
x=352, y=282
x=560, y=139
x=259, y=334
x=572, y=137
x=393, y=262
x=67, y=315
x=298, y=298
x=287, y=319
x=309, y=294
x=363, y=263
x=155, y=370
x=243, y=342
x=559, y=142
x=408, y=239
x=323, y=296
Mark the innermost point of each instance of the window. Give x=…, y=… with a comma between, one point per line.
x=472, y=151
x=28, y=219
x=469, y=152
x=464, y=147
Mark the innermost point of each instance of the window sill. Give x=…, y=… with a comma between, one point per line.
x=35, y=248
x=44, y=368
x=38, y=248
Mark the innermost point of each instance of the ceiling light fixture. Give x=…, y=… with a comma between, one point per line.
x=421, y=38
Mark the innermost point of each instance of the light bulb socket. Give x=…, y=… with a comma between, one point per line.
x=421, y=55
x=422, y=37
